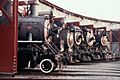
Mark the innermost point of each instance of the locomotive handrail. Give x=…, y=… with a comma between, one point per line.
x=38, y=47
x=55, y=47
x=29, y=41
x=50, y=47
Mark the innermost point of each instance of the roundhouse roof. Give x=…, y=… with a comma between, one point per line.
x=74, y=14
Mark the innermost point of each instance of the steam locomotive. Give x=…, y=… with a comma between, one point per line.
x=43, y=43
x=46, y=42
x=93, y=45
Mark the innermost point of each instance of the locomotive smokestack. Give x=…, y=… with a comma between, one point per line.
x=7, y=7
x=33, y=8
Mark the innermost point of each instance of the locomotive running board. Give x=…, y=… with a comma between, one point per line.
x=30, y=41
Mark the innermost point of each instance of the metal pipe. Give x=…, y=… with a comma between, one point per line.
x=33, y=8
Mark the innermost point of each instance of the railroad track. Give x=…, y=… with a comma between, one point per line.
x=85, y=71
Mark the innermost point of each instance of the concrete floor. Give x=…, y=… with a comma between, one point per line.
x=82, y=71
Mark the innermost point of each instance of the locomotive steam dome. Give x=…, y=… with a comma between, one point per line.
x=37, y=26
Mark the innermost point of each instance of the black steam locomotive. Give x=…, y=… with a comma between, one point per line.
x=46, y=42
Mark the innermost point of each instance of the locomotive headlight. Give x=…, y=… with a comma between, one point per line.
x=72, y=30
